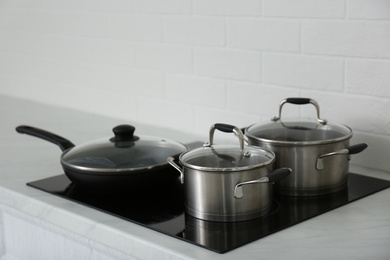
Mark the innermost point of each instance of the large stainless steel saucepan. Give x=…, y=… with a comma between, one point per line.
x=318, y=151
x=122, y=161
x=228, y=182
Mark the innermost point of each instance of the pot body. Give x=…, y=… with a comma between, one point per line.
x=307, y=179
x=210, y=195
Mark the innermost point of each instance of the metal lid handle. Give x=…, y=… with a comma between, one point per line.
x=228, y=129
x=300, y=101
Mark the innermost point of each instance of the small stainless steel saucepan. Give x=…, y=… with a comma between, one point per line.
x=228, y=182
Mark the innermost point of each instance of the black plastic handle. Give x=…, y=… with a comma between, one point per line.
x=224, y=127
x=124, y=133
x=279, y=174
x=298, y=100
x=357, y=148
x=63, y=143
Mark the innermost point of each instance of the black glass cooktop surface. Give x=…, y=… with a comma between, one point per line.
x=161, y=208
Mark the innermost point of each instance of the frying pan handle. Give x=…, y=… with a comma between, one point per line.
x=353, y=149
x=275, y=176
x=300, y=101
x=63, y=143
x=228, y=129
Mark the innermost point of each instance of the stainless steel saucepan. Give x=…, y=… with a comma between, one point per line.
x=228, y=182
x=318, y=152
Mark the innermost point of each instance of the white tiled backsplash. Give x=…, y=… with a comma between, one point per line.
x=186, y=64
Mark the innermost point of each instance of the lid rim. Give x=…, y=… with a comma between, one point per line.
x=238, y=169
x=105, y=170
x=297, y=143
x=270, y=161
x=300, y=143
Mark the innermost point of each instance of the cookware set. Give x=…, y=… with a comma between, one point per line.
x=223, y=183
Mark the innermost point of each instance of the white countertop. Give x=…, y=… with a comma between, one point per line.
x=359, y=230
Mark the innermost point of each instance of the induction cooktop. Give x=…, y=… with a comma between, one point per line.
x=161, y=208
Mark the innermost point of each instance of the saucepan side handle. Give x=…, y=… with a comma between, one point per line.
x=171, y=161
x=275, y=176
x=353, y=149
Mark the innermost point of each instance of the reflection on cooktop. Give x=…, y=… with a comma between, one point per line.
x=161, y=208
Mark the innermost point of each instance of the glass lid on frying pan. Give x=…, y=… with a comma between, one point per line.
x=123, y=152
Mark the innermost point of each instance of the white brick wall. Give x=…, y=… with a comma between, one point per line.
x=312, y=72
x=204, y=61
x=228, y=8
x=368, y=77
x=194, y=30
x=191, y=90
x=373, y=9
x=135, y=27
x=346, y=38
x=228, y=64
x=264, y=34
x=176, y=59
x=163, y=7
x=304, y=8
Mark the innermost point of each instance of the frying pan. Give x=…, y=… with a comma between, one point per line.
x=123, y=161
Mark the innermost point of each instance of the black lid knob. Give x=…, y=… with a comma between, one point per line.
x=124, y=133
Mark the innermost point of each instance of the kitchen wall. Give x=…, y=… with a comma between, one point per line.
x=186, y=64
